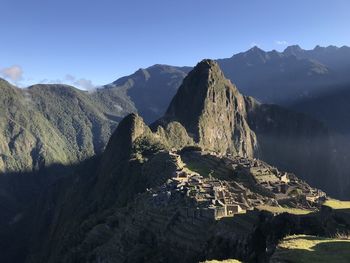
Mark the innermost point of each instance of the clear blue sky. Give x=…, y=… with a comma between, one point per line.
x=103, y=40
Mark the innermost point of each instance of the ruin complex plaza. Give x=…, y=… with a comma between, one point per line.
x=215, y=186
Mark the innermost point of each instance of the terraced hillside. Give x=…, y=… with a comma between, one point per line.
x=141, y=201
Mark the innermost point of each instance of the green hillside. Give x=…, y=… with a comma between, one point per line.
x=53, y=124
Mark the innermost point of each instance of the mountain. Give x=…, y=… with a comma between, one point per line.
x=299, y=79
x=53, y=124
x=332, y=108
x=281, y=78
x=217, y=117
x=278, y=78
x=150, y=89
x=335, y=58
x=295, y=142
x=212, y=111
x=72, y=125
x=173, y=193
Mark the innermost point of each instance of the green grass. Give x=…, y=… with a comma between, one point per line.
x=303, y=248
x=198, y=168
x=280, y=210
x=337, y=204
x=223, y=261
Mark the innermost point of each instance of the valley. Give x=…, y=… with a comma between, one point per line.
x=200, y=183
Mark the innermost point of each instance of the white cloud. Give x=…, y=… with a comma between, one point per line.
x=281, y=42
x=13, y=73
x=69, y=79
x=50, y=81
x=85, y=84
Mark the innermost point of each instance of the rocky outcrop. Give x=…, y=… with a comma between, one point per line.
x=174, y=135
x=213, y=111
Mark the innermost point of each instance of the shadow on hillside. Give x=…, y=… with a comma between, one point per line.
x=19, y=194
x=331, y=251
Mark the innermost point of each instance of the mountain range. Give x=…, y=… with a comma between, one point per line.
x=45, y=125
x=153, y=194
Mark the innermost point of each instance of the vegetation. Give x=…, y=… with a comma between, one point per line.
x=52, y=124
x=303, y=248
x=337, y=204
x=199, y=168
x=280, y=210
x=223, y=261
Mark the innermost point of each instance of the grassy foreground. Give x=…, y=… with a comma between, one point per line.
x=336, y=204
x=222, y=261
x=303, y=248
x=280, y=210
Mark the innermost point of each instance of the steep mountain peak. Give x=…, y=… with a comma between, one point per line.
x=255, y=50
x=130, y=128
x=212, y=111
x=318, y=47
x=293, y=50
x=121, y=142
x=255, y=55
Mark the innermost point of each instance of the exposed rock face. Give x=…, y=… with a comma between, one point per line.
x=213, y=111
x=174, y=135
x=121, y=142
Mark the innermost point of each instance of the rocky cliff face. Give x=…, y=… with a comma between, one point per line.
x=213, y=111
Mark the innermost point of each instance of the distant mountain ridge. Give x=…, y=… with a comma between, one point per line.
x=151, y=89
x=269, y=76
x=72, y=125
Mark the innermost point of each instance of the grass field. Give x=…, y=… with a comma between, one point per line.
x=223, y=261
x=199, y=168
x=305, y=249
x=337, y=204
x=280, y=210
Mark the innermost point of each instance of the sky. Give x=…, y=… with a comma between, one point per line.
x=92, y=43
